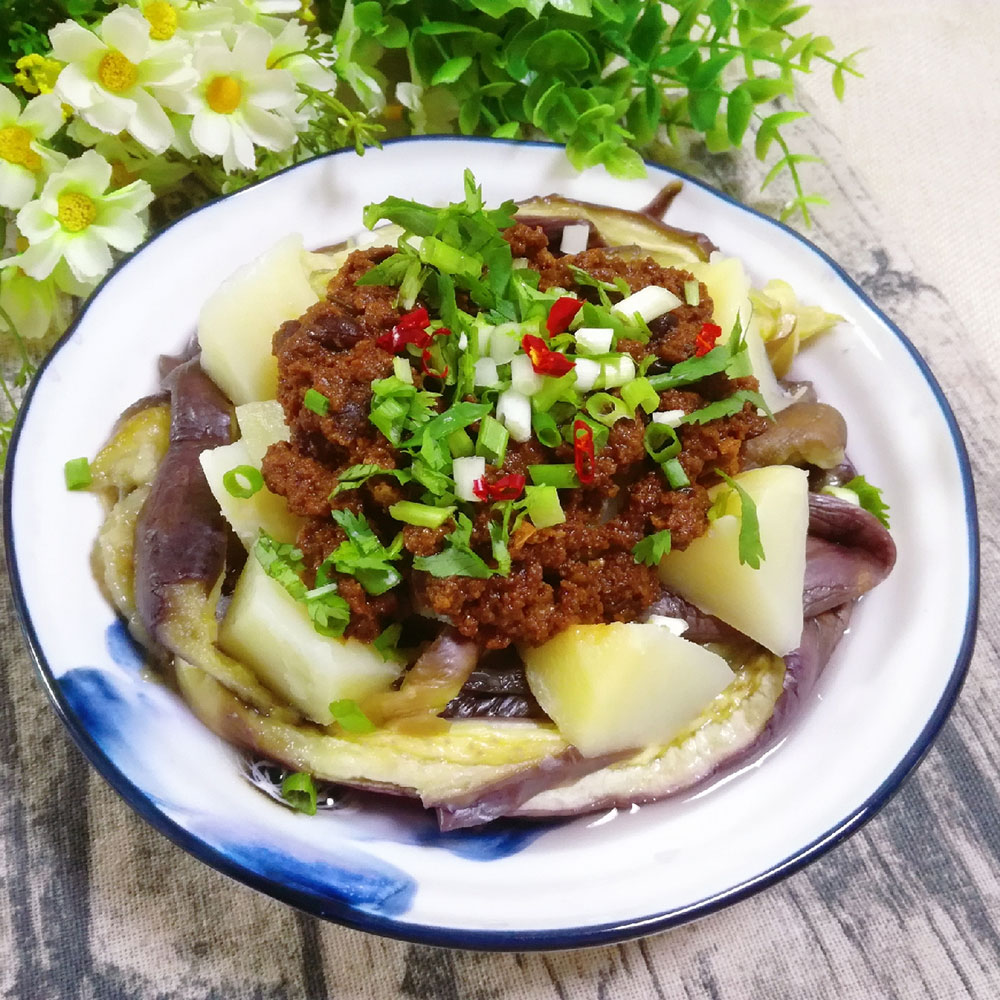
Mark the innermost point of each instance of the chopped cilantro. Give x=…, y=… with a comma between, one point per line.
x=870, y=497
x=357, y=475
x=387, y=642
x=349, y=716
x=281, y=562
x=750, y=549
x=363, y=555
x=727, y=407
x=457, y=557
x=651, y=549
x=299, y=791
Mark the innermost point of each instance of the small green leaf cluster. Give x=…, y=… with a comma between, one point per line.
x=610, y=80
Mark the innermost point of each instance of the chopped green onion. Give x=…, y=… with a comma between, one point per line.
x=449, y=259
x=554, y=390
x=607, y=409
x=235, y=479
x=316, y=402
x=420, y=514
x=692, y=293
x=651, y=549
x=78, y=474
x=349, y=716
x=559, y=476
x=661, y=442
x=674, y=471
x=403, y=371
x=545, y=429
x=638, y=393
x=543, y=507
x=460, y=444
x=299, y=791
x=491, y=443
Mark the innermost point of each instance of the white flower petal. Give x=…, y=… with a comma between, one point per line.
x=150, y=124
x=110, y=114
x=35, y=223
x=122, y=229
x=268, y=130
x=71, y=42
x=17, y=185
x=89, y=172
x=43, y=115
x=272, y=89
x=241, y=150
x=39, y=260
x=29, y=303
x=66, y=281
x=309, y=72
x=210, y=133
x=212, y=57
x=128, y=31
x=75, y=88
x=10, y=108
x=87, y=254
x=252, y=47
x=132, y=198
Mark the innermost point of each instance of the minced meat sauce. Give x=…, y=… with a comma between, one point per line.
x=580, y=571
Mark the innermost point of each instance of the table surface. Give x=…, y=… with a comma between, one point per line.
x=95, y=904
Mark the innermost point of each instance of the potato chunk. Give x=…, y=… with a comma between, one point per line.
x=269, y=631
x=622, y=686
x=764, y=603
x=237, y=323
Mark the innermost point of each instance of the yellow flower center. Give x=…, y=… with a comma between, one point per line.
x=115, y=72
x=36, y=74
x=76, y=211
x=162, y=19
x=15, y=147
x=224, y=94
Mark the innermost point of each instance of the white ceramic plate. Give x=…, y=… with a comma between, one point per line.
x=600, y=878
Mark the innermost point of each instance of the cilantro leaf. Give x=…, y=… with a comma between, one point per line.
x=750, y=548
x=457, y=557
x=651, y=549
x=363, y=555
x=357, y=475
x=281, y=562
x=727, y=407
x=870, y=497
x=387, y=642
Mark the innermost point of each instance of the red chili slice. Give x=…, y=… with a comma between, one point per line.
x=410, y=328
x=707, y=336
x=583, y=451
x=544, y=360
x=561, y=314
x=508, y=487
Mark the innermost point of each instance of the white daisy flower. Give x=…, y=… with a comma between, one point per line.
x=288, y=52
x=181, y=18
x=117, y=79
x=239, y=103
x=76, y=219
x=35, y=308
x=24, y=162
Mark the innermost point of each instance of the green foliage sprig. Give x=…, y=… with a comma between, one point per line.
x=608, y=79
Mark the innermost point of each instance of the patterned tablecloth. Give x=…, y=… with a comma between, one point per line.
x=95, y=904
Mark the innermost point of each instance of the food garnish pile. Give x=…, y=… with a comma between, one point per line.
x=506, y=509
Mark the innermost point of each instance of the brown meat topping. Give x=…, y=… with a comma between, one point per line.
x=581, y=571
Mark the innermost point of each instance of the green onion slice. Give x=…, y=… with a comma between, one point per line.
x=78, y=474
x=607, y=409
x=299, y=791
x=420, y=514
x=546, y=429
x=559, y=476
x=639, y=393
x=661, y=443
x=316, y=401
x=349, y=716
x=243, y=482
x=543, y=507
x=491, y=442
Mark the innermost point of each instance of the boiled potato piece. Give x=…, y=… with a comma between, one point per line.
x=237, y=323
x=764, y=603
x=622, y=686
x=264, y=510
x=729, y=286
x=269, y=631
x=261, y=424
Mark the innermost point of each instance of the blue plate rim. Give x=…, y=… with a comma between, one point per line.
x=507, y=940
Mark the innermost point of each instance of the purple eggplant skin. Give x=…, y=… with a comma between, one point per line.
x=848, y=553
x=180, y=534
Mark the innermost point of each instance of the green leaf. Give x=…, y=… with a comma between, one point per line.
x=763, y=89
x=870, y=497
x=739, y=109
x=451, y=70
x=786, y=163
x=675, y=55
x=709, y=71
x=703, y=106
x=751, y=552
x=348, y=715
x=558, y=51
x=768, y=130
x=650, y=550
